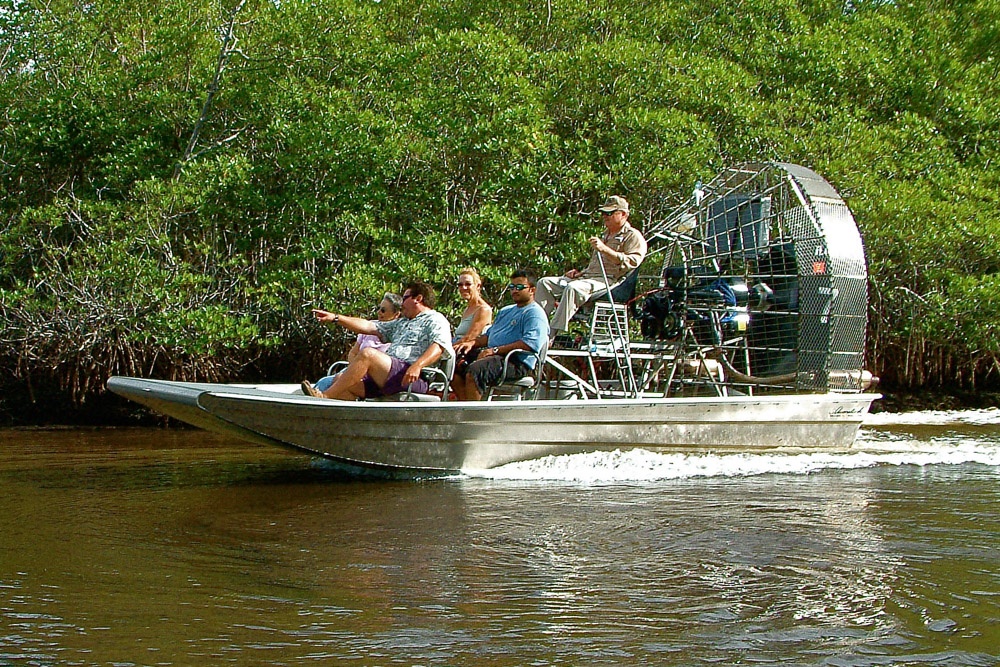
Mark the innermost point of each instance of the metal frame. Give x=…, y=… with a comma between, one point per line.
x=525, y=387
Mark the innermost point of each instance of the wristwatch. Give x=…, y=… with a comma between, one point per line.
x=336, y=317
x=496, y=350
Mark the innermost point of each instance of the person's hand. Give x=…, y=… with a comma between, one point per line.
x=573, y=274
x=324, y=316
x=464, y=346
x=411, y=375
x=598, y=245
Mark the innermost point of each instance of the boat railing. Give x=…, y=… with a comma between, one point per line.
x=627, y=369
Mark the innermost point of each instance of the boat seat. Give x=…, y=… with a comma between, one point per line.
x=438, y=377
x=621, y=292
x=336, y=367
x=525, y=387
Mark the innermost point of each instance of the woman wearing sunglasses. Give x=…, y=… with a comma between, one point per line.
x=522, y=325
x=389, y=309
x=478, y=314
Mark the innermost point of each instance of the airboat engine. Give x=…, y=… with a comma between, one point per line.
x=764, y=269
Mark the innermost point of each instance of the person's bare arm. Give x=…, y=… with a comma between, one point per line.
x=355, y=324
x=430, y=356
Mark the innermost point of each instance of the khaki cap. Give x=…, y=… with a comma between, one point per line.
x=614, y=203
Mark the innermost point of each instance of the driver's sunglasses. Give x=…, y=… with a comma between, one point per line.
x=518, y=287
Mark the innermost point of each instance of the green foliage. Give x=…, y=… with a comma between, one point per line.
x=352, y=144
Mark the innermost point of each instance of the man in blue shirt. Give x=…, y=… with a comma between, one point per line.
x=521, y=326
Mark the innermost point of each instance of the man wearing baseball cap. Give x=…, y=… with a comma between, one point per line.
x=620, y=249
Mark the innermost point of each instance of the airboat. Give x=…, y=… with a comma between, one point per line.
x=742, y=331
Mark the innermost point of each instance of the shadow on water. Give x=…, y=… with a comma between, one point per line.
x=151, y=459
x=182, y=475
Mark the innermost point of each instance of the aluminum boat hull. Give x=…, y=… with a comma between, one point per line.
x=453, y=436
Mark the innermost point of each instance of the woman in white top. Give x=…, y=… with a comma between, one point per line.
x=478, y=314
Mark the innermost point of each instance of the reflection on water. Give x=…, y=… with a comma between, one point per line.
x=151, y=547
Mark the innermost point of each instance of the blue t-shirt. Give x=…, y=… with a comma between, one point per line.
x=513, y=323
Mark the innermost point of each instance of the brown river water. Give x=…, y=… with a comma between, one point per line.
x=153, y=547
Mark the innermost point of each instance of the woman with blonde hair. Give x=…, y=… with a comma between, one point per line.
x=478, y=314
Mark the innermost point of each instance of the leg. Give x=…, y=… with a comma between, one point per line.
x=548, y=290
x=488, y=372
x=325, y=382
x=574, y=295
x=465, y=388
x=460, y=382
x=482, y=374
x=349, y=385
x=459, y=386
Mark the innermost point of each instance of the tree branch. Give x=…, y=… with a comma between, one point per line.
x=228, y=47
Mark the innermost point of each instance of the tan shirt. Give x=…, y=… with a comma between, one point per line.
x=631, y=248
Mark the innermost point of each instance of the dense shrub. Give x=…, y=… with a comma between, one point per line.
x=181, y=181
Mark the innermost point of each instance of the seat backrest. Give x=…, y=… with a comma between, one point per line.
x=624, y=291
x=539, y=368
x=621, y=292
x=447, y=366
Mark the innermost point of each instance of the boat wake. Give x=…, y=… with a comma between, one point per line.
x=966, y=442
x=985, y=417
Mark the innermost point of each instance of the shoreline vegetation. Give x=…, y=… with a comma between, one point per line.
x=180, y=182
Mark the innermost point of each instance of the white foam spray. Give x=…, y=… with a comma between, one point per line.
x=985, y=417
x=873, y=448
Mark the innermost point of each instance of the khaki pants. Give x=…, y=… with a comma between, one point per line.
x=571, y=294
